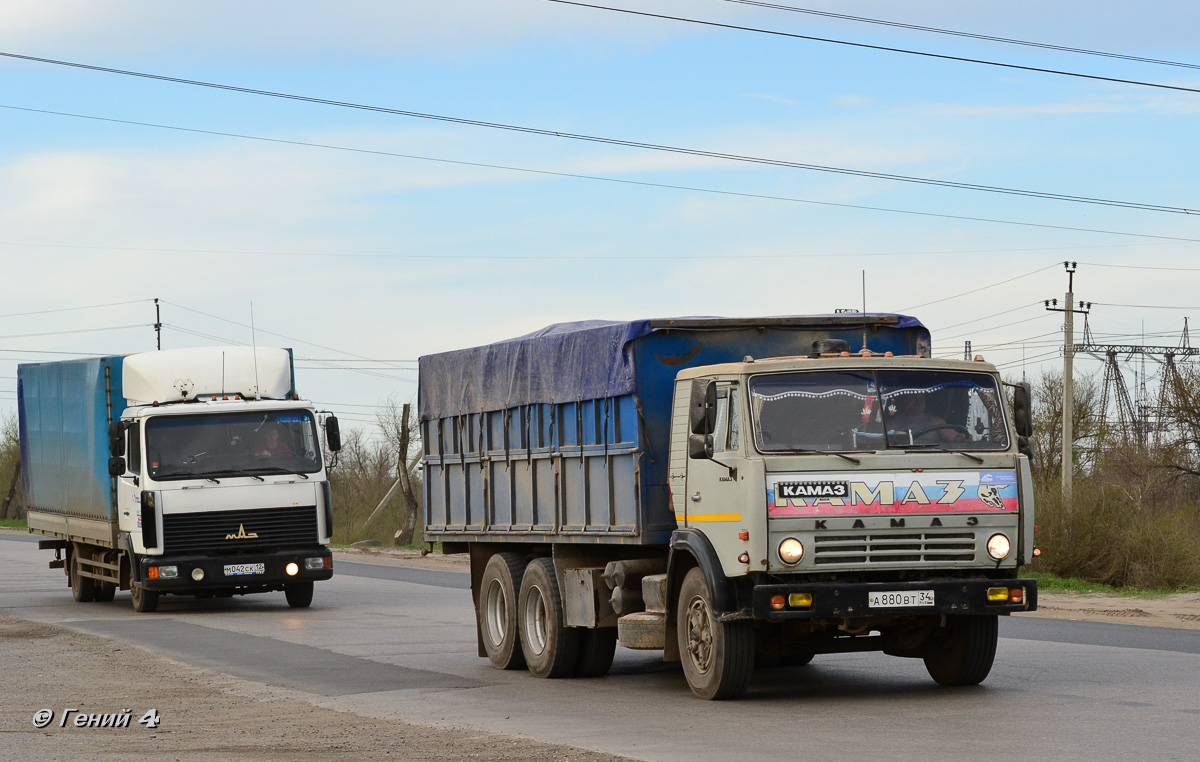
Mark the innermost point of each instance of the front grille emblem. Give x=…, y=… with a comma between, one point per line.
x=241, y=534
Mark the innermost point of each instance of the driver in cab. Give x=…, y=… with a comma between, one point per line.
x=908, y=414
x=272, y=445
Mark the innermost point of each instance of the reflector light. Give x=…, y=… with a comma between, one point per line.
x=777, y=602
x=1016, y=595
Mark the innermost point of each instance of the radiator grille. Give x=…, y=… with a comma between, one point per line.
x=233, y=531
x=913, y=548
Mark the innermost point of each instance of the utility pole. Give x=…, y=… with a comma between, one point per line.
x=157, y=324
x=1068, y=407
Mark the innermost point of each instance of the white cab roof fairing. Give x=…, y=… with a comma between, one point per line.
x=175, y=375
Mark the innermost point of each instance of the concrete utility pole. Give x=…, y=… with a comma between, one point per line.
x=1068, y=407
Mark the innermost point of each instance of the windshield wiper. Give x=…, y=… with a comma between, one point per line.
x=939, y=448
x=842, y=455
x=236, y=472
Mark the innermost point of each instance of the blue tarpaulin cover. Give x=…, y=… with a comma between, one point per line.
x=565, y=362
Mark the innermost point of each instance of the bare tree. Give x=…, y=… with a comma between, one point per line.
x=10, y=469
x=1088, y=424
x=402, y=432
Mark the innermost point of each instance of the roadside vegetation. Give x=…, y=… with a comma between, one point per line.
x=1134, y=518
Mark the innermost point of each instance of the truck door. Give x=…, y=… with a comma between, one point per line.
x=128, y=483
x=712, y=494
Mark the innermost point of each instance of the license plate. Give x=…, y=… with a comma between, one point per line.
x=898, y=599
x=237, y=570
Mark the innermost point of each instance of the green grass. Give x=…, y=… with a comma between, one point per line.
x=1051, y=583
x=14, y=523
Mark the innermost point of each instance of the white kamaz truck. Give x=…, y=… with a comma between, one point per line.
x=184, y=472
x=733, y=492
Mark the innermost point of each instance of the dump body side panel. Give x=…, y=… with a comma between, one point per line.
x=64, y=410
x=565, y=435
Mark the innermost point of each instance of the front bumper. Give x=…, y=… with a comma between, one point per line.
x=951, y=596
x=274, y=575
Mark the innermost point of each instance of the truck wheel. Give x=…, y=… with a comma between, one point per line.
x=497, y=610
x=597, y=646
x=550, y=648
x=299, y=594
x=105, y=592
x=718, y=657
x=144, y=601
x=962, y=652
x=83, y=588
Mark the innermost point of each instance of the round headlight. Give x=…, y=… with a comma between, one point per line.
x=998, y=546
x=791, y=551
x=197, y=574
x=292, y=569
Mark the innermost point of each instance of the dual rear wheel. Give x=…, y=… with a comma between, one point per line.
x=521, y=622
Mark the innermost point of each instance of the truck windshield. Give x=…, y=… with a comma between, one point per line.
x=843, y=411
x=211, y=445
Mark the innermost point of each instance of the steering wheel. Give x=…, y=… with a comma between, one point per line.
x=939, y=426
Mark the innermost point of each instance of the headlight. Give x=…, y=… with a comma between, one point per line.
x=791, y=551
x=998, y=546
x=292, y=569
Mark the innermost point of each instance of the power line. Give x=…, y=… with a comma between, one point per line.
x=72, y=309
x=977, y=290
x=992, y=328
x=77, y=330
x=976, y=320
x=970, y=35
x=626, y=143
x=1143, y=267
x=877, y=47
x=597, y=178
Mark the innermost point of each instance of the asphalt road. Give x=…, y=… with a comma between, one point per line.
x=395, y=642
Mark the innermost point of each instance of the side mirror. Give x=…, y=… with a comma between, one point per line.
x=116, y=441
x=700, y=446
x=1025, y=447
x=116, y=466
x=702, y=410
x=333, y=434
x=1023, y=409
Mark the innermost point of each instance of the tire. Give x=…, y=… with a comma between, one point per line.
x=299, y=594
x=962, y=652
x=496, y=610
x=718, y=657
x=144, y=601
x=83, y=588
x=597, y=647
x=550, y=648
x=105, y=592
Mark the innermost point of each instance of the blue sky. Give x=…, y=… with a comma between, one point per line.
x=348, y=255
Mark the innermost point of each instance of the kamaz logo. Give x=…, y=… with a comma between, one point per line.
x=241, y=534
x=800, y=490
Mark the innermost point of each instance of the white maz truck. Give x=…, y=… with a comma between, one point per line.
x=733, y=492
x=186, y=472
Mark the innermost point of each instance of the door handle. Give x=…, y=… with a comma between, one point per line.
x=696, y=498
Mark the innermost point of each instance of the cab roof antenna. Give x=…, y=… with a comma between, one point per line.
x=254, y=349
